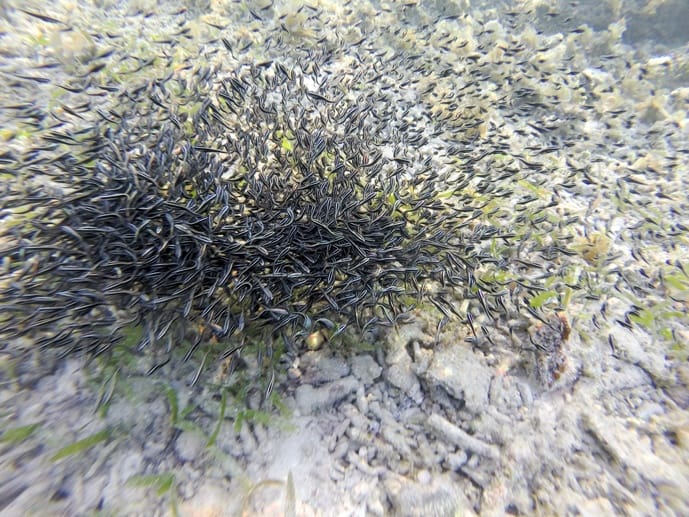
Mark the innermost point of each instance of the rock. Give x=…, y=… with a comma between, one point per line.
x=89, y=492
x=423, y=477
x=228, y=441
x=361, y=463
x=68, y=382
x=209, y=501
x=640, y=350
x=422, y=358
x=317, y=368
x=361, y=399
x=597, y=506
x=457, y=460
x=189, y=445
x=398, y=439
x=400, y=372
x=410, y=333
x=504, y=394
x=247, y=440
x=365, y=368
x=310, y=399
x=401, y=376
x=453, y=434
x=463, y=374
x=130, y=465
x=374, y=506
x=525, y=394
x=632, y=449
x=435, y=498
x=679, y=391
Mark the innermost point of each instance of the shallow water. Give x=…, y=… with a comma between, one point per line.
x=566, y=126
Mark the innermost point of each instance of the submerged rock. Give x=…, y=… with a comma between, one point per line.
x=463, y=374
x=310, y=399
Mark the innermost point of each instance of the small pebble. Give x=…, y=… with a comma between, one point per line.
x=365, y=368
x=189, y=445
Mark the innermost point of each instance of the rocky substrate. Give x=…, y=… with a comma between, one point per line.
x=407, y=429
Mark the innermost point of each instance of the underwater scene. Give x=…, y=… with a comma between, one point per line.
x=333, y=258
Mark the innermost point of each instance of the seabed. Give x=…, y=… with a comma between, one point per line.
x=589, y=102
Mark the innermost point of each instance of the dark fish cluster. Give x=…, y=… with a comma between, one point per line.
x=289, y=195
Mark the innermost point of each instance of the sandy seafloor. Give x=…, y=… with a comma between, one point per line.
x=397, y=426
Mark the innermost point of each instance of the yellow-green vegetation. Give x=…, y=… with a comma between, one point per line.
x=537, y=301
x=18, y=434
x=82, y=445
x=162, y=483
x=594, y=248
